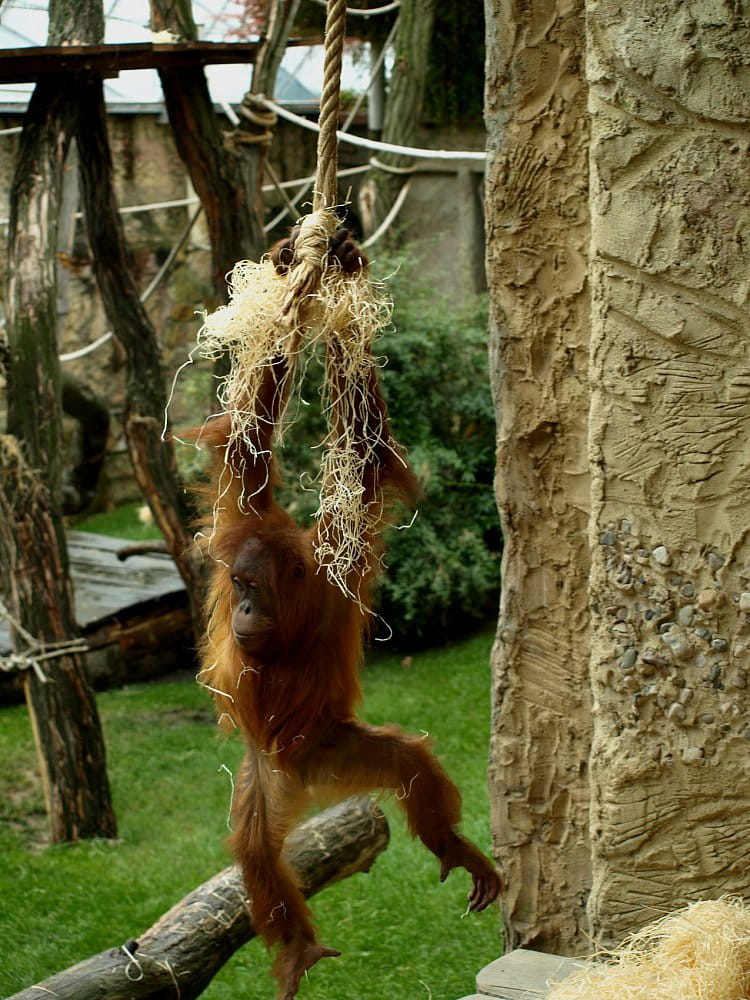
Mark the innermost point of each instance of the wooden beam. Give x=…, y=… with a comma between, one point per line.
x=29, y=64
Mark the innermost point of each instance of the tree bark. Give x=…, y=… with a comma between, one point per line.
x=226, y=176
x=670, y=416
x=152, y=458
x=186, y=947
x=537, y=233
x=62, y=708
x=33, y=554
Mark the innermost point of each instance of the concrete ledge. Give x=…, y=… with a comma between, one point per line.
x=523, y=975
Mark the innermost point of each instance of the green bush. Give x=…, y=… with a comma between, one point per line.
x=443, y=571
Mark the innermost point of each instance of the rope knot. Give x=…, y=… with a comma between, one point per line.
x=310, y=251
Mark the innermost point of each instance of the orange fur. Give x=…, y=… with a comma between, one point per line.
x=293, y=687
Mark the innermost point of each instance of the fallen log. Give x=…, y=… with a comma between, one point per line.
x=179, y=955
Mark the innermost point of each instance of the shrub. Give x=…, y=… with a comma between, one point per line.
x=443, y=575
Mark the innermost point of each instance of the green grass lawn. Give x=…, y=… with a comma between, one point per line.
x=401, y=933
x=129, y=520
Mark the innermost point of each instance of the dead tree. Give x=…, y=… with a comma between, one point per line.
x=33, y=555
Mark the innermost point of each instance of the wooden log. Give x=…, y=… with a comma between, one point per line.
x=187, y=946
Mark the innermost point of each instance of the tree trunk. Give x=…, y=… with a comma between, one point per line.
x=226, y=175
x=152, y=458
x=62, y=708
x=670, y=417
x=537, y=230
x=33, y=554
x=403, y=104
x=186, y=947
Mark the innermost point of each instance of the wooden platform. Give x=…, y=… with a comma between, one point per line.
x=523, y=975
x=133, y=614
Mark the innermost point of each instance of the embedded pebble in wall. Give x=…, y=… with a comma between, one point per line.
x=715, y=672
x=715, y=561
x=625, y=527
x=688, y=590
x=676, y=712
x=661, y=555
x=706, y=718
x=730, y=709
x=685, y=615
x=629, y=658
x=621, y=614
x=692, y=754
x=704, y=633
x=686, y=695
x=676, y=643
x=654, y=659
x=740, y=680
x=625, y=575
x=720, y=645
x=607, y=538
x=706, y=598
x=745, y=601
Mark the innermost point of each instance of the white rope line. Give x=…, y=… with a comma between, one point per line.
x=290, y=206
x=388, y=169
x=146, y=294
x=83, y=351
x=383, y=147
x=36, y=652
x=373, y=73
x=171, y=256
x=358, y=12
x=134, y=209
x=231, y=114
x=348, y=172
x=395, y=209
x=11, y=131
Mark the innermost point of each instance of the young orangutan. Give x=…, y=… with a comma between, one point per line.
x=282, y=652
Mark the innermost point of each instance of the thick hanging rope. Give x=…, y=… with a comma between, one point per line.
x=265, y=322
x=316, y=230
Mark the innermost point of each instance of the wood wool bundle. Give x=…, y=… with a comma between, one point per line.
x=271, y=317
x=699, y=953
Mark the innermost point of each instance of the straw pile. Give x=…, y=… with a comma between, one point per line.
x=699, y=953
